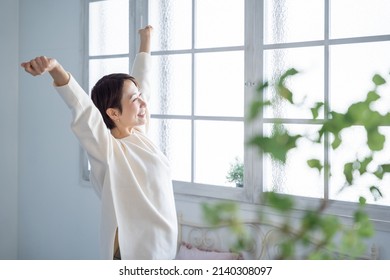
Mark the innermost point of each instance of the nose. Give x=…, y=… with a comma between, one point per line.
x=142, y=102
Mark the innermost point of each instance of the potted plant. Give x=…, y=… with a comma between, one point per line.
x=236, y=173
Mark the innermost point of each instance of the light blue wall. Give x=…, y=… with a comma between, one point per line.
x=9, y=26
x=58, y=216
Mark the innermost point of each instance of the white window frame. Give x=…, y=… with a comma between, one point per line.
x=254, y=47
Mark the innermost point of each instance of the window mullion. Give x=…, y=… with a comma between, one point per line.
x=326, y=96
x=193, y=159
x=254, y=53
x=132, y=27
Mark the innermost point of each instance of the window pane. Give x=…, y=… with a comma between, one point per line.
x=172, y=20
x=100, y=67
x=307, y=86
x=352, y=18
x=174, y=139
x=353, y=146
x=172, y=85
x=296, y=177
x=293, y=20
x=219, y=89
x=352, y=68
x=109, y=27
x=217, y=143
x=219, y=23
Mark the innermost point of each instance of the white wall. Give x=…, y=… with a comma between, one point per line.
x=9, y=27
x=58, y=216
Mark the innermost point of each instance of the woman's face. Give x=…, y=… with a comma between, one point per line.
x=133, y=107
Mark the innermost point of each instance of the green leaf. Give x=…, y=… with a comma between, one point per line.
x=336, y=142
x=366, y=230
x=371, y=119
x=382, y=169
x=352, y=245
x=260, y=88
x=330, y=226
x=385, y=120
x=357, y=112
x=288, y=73
x=315, y=163
x=219, y=213
x=375, y=140
x=363, y=165
x=379, y=173
x=348, y=172
x=316, y=108
x=278, y=145
x=372, y=96
x=319, y=255
x=378, y=80
x=385, y=168
x=279, y=202
x=285, y=93
x=336, y=123
x=256, y=108
x=376, y=193
x=287, y=249
x=363, y=225
x=310, y=220
x=281, y=89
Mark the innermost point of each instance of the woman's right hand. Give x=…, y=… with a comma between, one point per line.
x=39, y=65
x=43, y=64
x=145, y=36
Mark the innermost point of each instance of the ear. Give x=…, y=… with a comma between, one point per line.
x=113, y=113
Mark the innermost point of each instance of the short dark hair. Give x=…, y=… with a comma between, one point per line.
x=107, y=93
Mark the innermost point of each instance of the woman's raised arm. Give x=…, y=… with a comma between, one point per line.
x=145, y=35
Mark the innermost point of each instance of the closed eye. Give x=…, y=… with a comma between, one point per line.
x=134, y=97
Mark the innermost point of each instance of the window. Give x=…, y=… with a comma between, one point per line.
x=338, y=46
x=209, y=55
x=199, y=80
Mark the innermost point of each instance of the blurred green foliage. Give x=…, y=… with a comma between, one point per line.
x=322, y=236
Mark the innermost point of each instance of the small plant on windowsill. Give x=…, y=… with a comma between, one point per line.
x=236, y=173
x=321, y=235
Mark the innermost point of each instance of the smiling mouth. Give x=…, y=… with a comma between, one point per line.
x=142, y=114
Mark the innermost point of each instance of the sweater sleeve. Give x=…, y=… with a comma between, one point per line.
x=88, y=126
x=142, y=71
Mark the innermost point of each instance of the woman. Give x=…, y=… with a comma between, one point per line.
x=129, y=172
